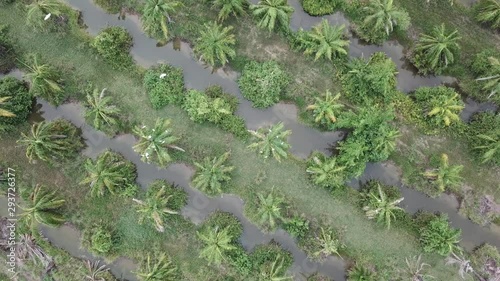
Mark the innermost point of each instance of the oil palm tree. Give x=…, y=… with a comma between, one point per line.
x=415, y=270
x=493, y=81
x=95, y=271
x=212, y=173
x=38, y=10
x=326, y=41
x=382, y=15
x=490, y=148
x=446, y=175
x=153, y=144
x=215, y=44
x=42, y=207
x=271, y=13
x=384, y=143
x=100, y=111
x=326, y=108
x=328, y=244
x=464, y=265
x=156, y=16
x=325, y=171
x=360, y=273
x=227, y=7
x=269, y=209
x=217, y=243
x=274, y=271
x=445, y=109
x=489, y=12
x=381, y=207
x=155, y=208
x=271, y=141
x=438, y=49
x=5, y=112
x=158, y=268
x=45, y=81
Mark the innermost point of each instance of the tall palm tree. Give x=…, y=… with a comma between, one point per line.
x=489, y=11
x=95, y=271
x=156, y=14
x=274, y=271
x=153, y=144
x=155, y=208
x=325, y=171
x=271, y=141
x=215, y=44
x=439, y=47
x=212, y=173
x=493, y=81
x=328, y=244
x=445, y=109
x=5, y=112
x=415, y=269
x=382, y=15
x=445, y=175
x=99, y=109
x=227, y=7
x=42, y=208
x=326, y=41
x=45, y=81
x=269, y=209
x=381, y=207
x=491, y=147
x=158, y=268
x=272, y=12
x=39, y=9
x=217, y=243
x=326, y=108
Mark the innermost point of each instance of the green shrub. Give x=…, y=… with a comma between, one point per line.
x=197, y=105
x=481, y=65
x=20, y=101
x=265, y=254
x=216, y=91
x=297, y=226
x=360, y=273
x=110, y=6
x=7, y=55
x=97, y=239
x=484, y=124
x=240, y=260
x=263, y=83
x=438, y=237
x=321, y=7
x=235, y=125
x=113, y=44
x=441, y=105
x=179, y=196
x=224, y=220
x=166, y=90
x=483, y=256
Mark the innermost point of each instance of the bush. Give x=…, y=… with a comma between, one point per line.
x=166, y=90
x=110, y=6
x=441, y=105
x=223, y=220
x=7, y=55
x=235, y=125
x=438, y=237
x=265, y=254
x=20, y=102
x=179, y=196
x=240, y=260
x=197, y=106
x=481, y=65
x=483, y=258
x=297, y=227
x=114, y=43
x=98, y=239
x=263, y=83
x=321, y=7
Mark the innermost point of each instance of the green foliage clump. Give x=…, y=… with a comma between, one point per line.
x=19, y=102
x=263, y=83
x=224, y=220
x=297, y=226
x=113, y=44
x=7, y=54
x=110, y=6
x=45, y=80
x=360, y=273
x=202, y=108
x=438, y=237
x=98, y=240
x=158, y=267
x=488, y=11
x=321, y=7
x=241, y=261
x=443, y=175
x=179, y=196
x=441, y=105
x=483, y=135
x=481, y=65
x=164, y=90
x=483, y=258
x=263, y=255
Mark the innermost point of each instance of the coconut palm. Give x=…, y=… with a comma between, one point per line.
x=99, y=109
x=274, y=271
x=155, y=208
x=382, y=15
x=212, y=173
x=45, y=81
x=269, y=209
x=326, y=41
x=217, y=243
x=493, y=81
x=328, y=244
x=109, y=172
x=464, y=265
x=326, y=108
x=381, y=207
x=445, y=109
x=489, y=12
x=415, y=269
x=446, y=175
x=227, y=7
x=95, y=271
x=156, y=14
x=438, y=48
x=5, y=112
x=325, y=171
x=272, y=12
x=215, y=44
x=158, y=268
x=491, y=148
x=38, y=10
x=271, y=141
x=153, y=144
x=42, y=207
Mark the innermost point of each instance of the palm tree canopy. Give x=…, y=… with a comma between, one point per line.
x=217, y=243
x=155, y=15
x=42, y=208
x=271, y=12
x=438, y=48
x=99, y=109
x=155, y=208
x=446, y=175
x=45, y=81
x=216, y=44
x=326, y=171
x=158, y=268
x=326, y=41
x=271, y=141
x=381, y=207
x=269, y=210
x=492, y=84
x=383, y=15
x=491, y=147
x=227, y=7
x=326, y=108
x=39, y=9
x=212, y=173
x=489, y=11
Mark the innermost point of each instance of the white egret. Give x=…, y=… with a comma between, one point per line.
x=47, y=16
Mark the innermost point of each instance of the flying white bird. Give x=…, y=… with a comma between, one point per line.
x=163, y=75
x=47, y=16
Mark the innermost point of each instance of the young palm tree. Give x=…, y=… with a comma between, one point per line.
x=493, y=81
x=491, y=148
x=360, y=273
x=227, y=7
x=415, y=270
x=325, y=109
x=328, y=244
x=95, y=271
x=212, y=173
x=325, y=171
x=45, y=81
x=5, y=112
x=28, y=249
x=215, y=44
x=38, y=10
x=489, y=11
x=158, y=268
x=269, y=210
x=99, y=109
x=464, y=265
x=154, y=143
x=274, y=271
x=156, y=14
x=439, y=47
x=271, y=141
x=326, y=41
x=217, y=243
x=385, y=141
x=382, y=16
x=445, y=175
x=42, y=208
x=155, y=208
x=381, y=207
x=445, y=109
x=269, y=12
